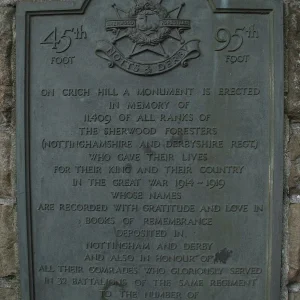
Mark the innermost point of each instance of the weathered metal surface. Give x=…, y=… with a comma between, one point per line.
x=150, y=149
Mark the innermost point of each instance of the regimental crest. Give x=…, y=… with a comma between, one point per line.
x=152, y=29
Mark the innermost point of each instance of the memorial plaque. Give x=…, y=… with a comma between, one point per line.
x=150, y=138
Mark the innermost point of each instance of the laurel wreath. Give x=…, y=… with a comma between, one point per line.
x=141, y=38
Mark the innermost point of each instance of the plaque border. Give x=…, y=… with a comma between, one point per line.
x=274, y=8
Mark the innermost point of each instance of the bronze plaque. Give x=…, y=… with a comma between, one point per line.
x=150, y=149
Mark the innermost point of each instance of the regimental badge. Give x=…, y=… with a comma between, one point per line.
x=151, y=28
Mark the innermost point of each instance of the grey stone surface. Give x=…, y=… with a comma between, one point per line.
x=13, y=117
x=8, y=245
x=294, y=287
x=292, y=105
x=294, y=296
x=292, y=4
x=9, y=294
x=294, y=158
x=286, y=205
x=5, y=165
x=6, y=104
x=293, y=48
x=8, y=241
x=8, y=201
x=6, y=42
x=6, y=98
x=294, y=243
x=292, y=18
x=285, y=253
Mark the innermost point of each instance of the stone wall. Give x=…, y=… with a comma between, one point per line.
x=9, y=287
x=8, y=237
x=292, y=109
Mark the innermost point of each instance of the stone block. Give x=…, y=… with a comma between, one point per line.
x=293, y=59
x=294, y=296
x=292, y=3
x=6, y=103
x=6, y=44
x=8, y=240
x=293, y=151
x=294, y=243
x=5, y=165
x=8, y=294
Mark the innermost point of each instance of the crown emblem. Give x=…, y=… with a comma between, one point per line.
x=149, y=26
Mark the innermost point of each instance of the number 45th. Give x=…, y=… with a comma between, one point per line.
x=51, y=39
x=64, y=42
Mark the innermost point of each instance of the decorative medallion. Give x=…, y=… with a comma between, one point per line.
x=156, y=37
